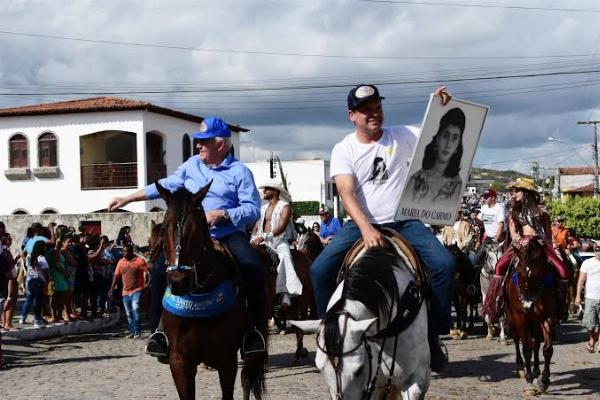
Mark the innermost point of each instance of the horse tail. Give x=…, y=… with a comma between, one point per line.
x=254, y=372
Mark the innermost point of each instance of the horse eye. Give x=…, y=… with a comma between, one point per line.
x=359, y=371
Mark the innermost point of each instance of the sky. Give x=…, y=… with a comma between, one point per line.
x=283, y=68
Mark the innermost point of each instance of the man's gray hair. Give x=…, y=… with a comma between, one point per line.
x=226, y=142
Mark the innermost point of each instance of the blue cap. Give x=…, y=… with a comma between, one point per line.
x=212, y=127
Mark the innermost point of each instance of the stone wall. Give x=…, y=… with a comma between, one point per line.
x=110, y=223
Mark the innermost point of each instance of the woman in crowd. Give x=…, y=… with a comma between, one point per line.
x=124, y=237
x=59, y=299
x=70, y=264
x=12, y=287
x=36, y=278
x=316, y=228
x=439, y=177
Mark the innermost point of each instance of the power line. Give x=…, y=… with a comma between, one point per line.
x=531, y=157
x=474, y=5
x=277, y=53
x=306, y=86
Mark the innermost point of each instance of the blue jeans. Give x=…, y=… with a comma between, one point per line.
x=438, y=262
x=253, y=274
x=34, y=295
x=131, y=303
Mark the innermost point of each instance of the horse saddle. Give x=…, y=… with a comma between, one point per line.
x=397, y=242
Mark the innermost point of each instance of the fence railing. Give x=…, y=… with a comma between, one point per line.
x=109, y=176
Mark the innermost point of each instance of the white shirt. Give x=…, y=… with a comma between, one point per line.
x=380, y=169
x=36, y=272
x=591, y=267
x=491, y=217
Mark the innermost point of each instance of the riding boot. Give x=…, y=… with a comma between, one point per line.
x=439, y=354
x=157, y=344
x=562, y=311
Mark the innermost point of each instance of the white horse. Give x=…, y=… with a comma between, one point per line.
x=373, y=339
x=493, y=253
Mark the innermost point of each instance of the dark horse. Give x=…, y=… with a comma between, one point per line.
x=299, y=308
x=464, y=291
x=199, y=264
x=530, y=308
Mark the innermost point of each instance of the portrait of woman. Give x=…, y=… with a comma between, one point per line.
x=438, y=180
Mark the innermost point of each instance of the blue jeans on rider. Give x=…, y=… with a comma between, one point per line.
x=34, y=295
x=438, y=262
x=253, y=274
x=131, y=303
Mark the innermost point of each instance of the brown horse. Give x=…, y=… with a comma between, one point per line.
x=198, y=265
x=300, y=305
x=530, y=308
x=463, y=283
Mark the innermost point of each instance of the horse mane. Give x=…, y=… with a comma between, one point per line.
x=370, y=281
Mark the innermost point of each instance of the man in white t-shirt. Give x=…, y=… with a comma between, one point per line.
x=370, y=167
x=493, y=216
x=590, y=275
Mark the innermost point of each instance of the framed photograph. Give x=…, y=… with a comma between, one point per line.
x=442, y=161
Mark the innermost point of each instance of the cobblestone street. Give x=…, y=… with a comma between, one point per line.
x=107, y=366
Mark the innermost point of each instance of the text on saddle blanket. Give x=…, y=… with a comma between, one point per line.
x=202, y=305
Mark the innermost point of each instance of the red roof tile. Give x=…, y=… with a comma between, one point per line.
x=101, y=104
x=576, y=171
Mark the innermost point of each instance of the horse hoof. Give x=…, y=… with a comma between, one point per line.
x=489, y=336
x=530, y=391
x=453, y=332
x=463, y=335
x=304, y=352
x=504, y=342
x=282, y=332
x=520, y=373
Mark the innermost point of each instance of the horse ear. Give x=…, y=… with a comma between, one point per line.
x=164, y=193
x=198, y=197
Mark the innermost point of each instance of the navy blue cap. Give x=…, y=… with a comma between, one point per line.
x=361, y=94
x=212, y=127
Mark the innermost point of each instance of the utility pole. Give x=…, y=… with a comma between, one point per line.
x=595, y=147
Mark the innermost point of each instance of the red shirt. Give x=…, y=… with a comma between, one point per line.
x=132, y=273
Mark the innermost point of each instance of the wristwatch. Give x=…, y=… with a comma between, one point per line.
x=226, y=215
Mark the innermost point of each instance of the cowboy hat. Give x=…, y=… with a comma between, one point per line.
x=275, y=184
x=525, y=184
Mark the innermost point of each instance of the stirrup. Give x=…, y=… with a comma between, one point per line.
x=246, y=352
x=157, y=345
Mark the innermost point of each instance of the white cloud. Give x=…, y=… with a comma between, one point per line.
x=306, y=123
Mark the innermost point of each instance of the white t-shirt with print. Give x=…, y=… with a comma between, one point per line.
x=591, y=267
x=379, y=169
x=491, y=217
x=37, y=271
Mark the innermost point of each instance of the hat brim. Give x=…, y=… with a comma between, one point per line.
x=208, y=135
x=362, y=101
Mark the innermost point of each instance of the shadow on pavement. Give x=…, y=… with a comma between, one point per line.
x=487, y=368
x=582, y=381
x=34, y=361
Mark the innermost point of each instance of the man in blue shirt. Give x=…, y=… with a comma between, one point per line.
x=329, y=226
x=231, y=204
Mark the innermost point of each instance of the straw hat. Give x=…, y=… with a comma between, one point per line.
x=525, y=184
x=275, y=184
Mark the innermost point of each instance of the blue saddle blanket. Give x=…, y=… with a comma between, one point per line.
x=204, y=305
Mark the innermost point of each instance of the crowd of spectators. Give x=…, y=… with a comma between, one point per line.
x=64, y=275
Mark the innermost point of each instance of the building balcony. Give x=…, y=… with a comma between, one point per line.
x=109, y=176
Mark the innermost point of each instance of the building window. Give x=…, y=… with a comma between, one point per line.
x=47, y=156
x=49, y=211
x=18, y=153
x=187, y=147
x=20, y=211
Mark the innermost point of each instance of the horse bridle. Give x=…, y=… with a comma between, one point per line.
x=177, y=267
x=368, y=391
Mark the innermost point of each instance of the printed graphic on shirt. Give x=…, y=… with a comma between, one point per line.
x=380, y=173
x=488, y=218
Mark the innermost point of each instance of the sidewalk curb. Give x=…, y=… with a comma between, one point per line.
x=72, y=328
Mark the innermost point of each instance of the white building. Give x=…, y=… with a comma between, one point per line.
x=308, y=180
x=575, y=181
x=72, y=157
